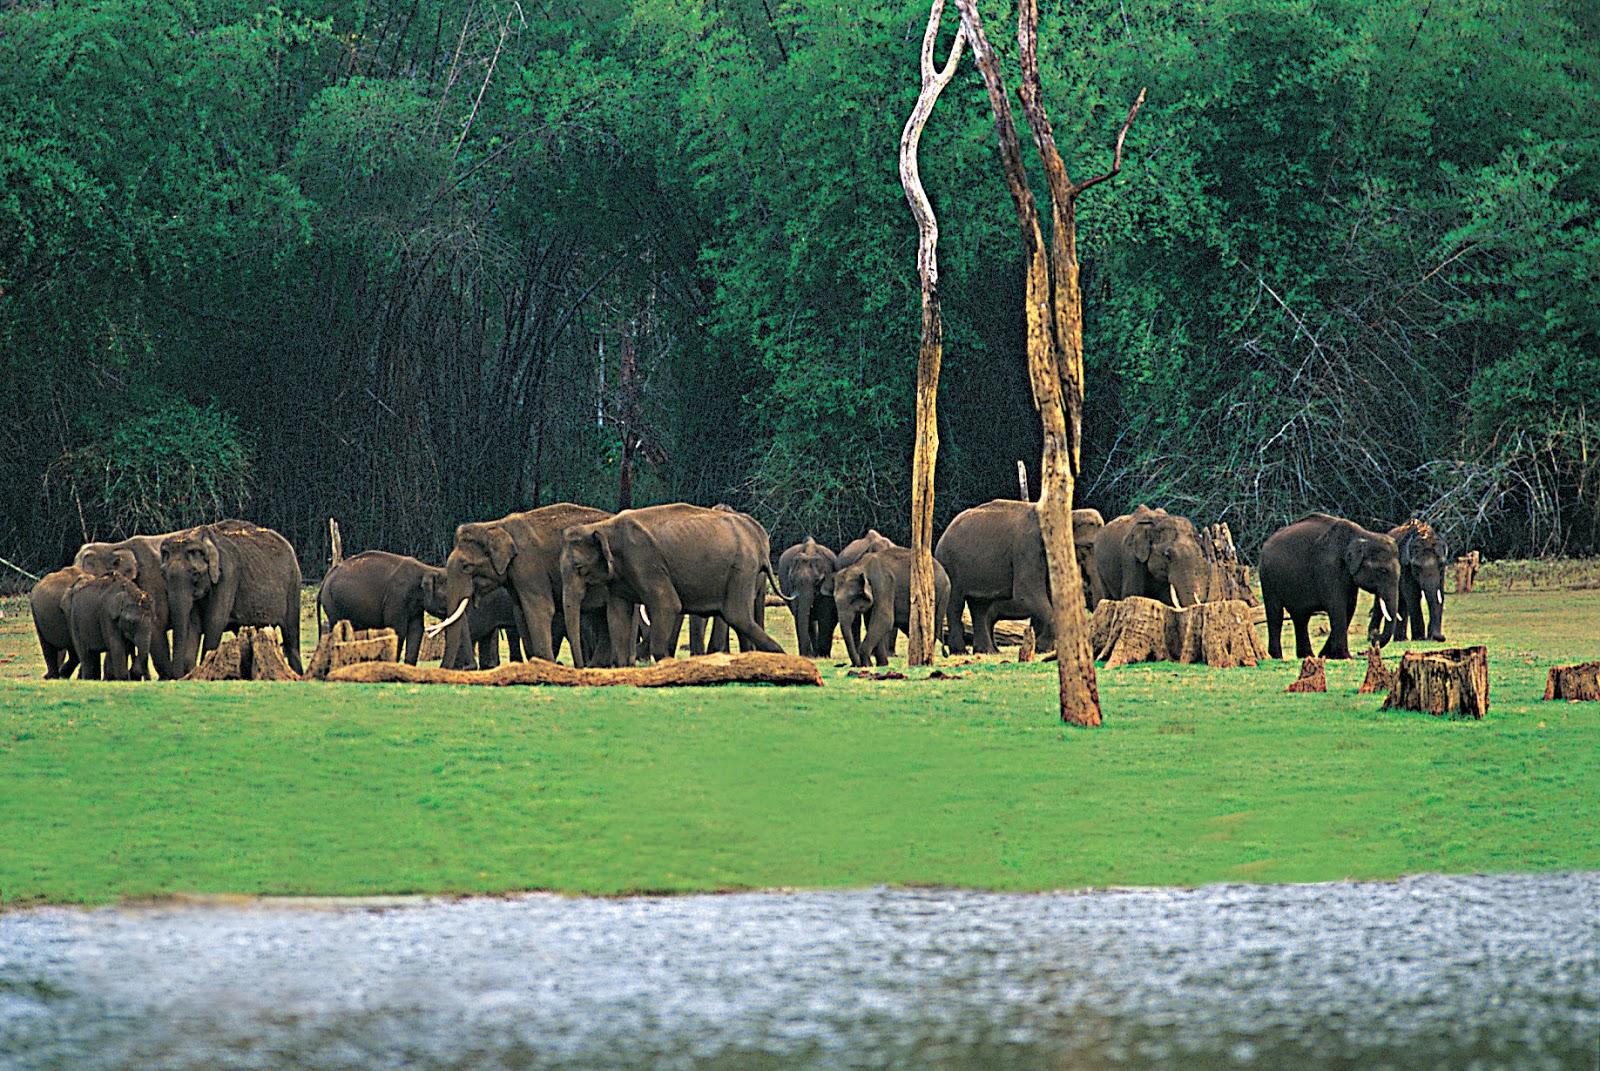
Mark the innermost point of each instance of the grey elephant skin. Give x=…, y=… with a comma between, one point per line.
x=520, y=552
x=109, y=616
x=877, y=589
x=1423, y=554
x=719, y=628
x=670, y=560
x=379, y=589
x=1318, y=564
x=803, y=572
x=224, y=576
x=995, y=556
x=139, y=559
x=47, y=601
x=1151, y=553
x=853, y=552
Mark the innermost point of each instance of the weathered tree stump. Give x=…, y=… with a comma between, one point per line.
x=1454, y=681
x=1029, y=644
x=1574, y=682
x=255, y=654
x=1313, y=677
x=344, y=646
x=1137, y=629
x=1229, y=577
x=1467, y=571
x=754, y=667
x=1379, y=678
x=432, y=649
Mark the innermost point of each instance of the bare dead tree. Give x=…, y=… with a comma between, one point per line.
x=1053, y=312
x=919, y=648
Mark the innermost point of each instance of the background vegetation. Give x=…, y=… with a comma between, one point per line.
x=387, y=261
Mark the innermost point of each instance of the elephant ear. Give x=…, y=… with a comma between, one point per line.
x=123, y=563
x=501, y=549
x=1140, y=539
x=1407, y=543
x=866, y=586
x=213, y=559
x=602, y=539
x=1354, y=553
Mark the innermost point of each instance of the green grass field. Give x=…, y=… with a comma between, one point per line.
x=1198, y=776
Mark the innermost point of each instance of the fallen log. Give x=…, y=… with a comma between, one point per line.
x=1313, y=677
x=1137, y=629
x=1454, y=681
x=745, y=668
x=254, y=654
x=1580, y=682
x=1379, y=678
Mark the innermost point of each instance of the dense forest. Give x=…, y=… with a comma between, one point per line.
x=420, y=262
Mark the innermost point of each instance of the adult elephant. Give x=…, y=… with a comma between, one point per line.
x=377, y=589
x=224, y=576
x=803, y=571
x=1086, y=525
x=1318, y=564
x=139, y=559
x=47, y=601
x=521, y=552
x=1423, y=555
x=994, y=557
x=108, y=615
x=669, y=560
x=877, y=589
x=1152, y=553
x=719, y=628
x=853, y=552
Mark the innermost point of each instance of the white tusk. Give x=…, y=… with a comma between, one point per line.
x=1174, y=592
x=644, y=615
x=1438, y=593
x=1383, y=606
x=434, y=630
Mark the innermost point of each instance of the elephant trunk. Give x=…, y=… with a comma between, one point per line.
x=1187, y=579
x=180, y=612
x=803, y=602
x=458, y=653
x=573, y=591
x=1389, y=610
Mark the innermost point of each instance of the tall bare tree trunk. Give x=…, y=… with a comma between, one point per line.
x=1053, y=315
x=920, y=646
x=627, y=388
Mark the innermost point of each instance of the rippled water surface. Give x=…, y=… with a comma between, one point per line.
x=1427, y=972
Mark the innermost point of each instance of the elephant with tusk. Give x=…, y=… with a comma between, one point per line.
x=1152, y=553
x=1319, y=564
x=1423, y=555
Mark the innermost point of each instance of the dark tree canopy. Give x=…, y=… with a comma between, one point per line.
x=380, y=262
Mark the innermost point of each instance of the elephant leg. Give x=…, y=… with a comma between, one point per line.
x=740, y=616
x=1436, y=616
x=514, y=640
x=1338, y=645
x=666, y=622
x=1302, y=633
x=1274, y=627
x=697, y=635
x=983, y=626
x=880, y=629
x=489, y=650
x=619, y=623
x=955, y=632
x=825, y=618
x=413, y=634
x=116, y=666
x=52, y=656
x=69, y=664
x=161, y=650
x=802, y=628
x=719, y=637
x=89, y=669
x=537, y=623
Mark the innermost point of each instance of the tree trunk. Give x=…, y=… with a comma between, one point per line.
x=1053, y=315
x=919, y=645
x=626, y=368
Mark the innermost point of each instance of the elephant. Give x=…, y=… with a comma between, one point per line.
x=1086, y=524
x=803, y=570
x=50, y=621
x=878, y=588
x=226, y=575
x=521, y=552
x=1317, y=565
x=719, y=627
x=1152, y=553
x=377, y=589
x=139, y=559
x=669, y=560
x=853, y=552
x=994, y=557
x=1423, y=555
x=108, y=615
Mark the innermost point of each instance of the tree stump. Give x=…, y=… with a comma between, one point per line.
x=255, y=654
x=753, y=667
x=1029, y=644
x=1467, y=571
x=1379, y=678
x=1313, y=677
x=1137, y=629
x=1229, y=577
x=1574, y=682
x=344, y=646
x=432, y=649
x=1454, y=681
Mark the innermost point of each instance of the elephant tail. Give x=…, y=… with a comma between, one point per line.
x=772, y=579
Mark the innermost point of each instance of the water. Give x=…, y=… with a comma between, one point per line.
x=1427, y=972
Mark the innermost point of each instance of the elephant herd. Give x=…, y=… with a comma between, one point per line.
x=617, y=587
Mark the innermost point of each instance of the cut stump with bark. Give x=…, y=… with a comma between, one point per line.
x=1379, y=678
x=432, y=649
x=1580, y=682
x=1453, y=682
x=255, y=654
x=1313, y=677
x=1229, y=578
x=344, y=646
x=1137, y=629
x=754, y=667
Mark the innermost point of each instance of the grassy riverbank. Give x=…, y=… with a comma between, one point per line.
x=1198, y=776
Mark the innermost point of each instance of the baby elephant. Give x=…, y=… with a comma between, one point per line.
x=110, y=616
x=48, y=602
x=878, y=588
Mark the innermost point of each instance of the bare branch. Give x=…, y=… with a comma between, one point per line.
x=1116, y=159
